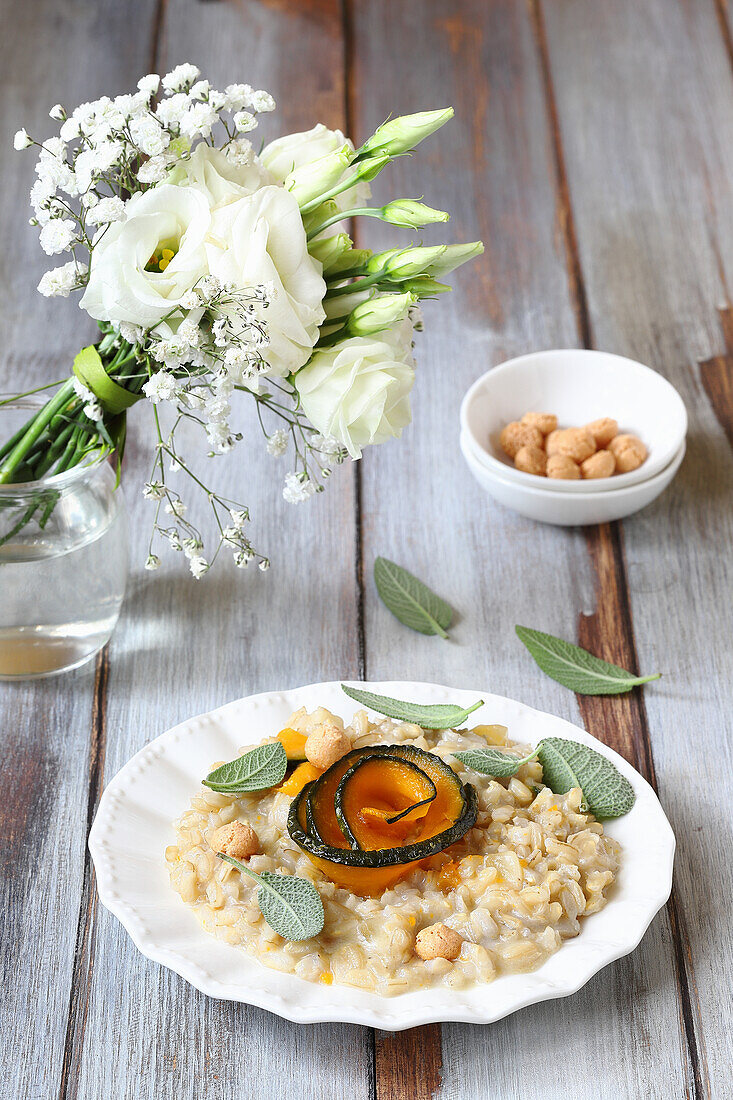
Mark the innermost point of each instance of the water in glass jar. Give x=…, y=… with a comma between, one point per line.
x=60, y=597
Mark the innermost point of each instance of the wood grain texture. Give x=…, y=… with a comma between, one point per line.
x=408, y=1064
x=716, y=375
x=495, y=168
x=591, y=152
x=47, y=727
x=655, y=250
x=183, y=647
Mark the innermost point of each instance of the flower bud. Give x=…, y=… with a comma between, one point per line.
x=412, y=214
x=379, y=313
x=453, y=256
x=411, y=262
x=399, y=135
x=319, y=215
x=352, y=260
x=327, y=250
x=311, y=180
x=370, y=168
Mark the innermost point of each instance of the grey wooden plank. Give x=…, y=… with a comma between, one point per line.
x=493, y=168
x=650, y=167
x=47, y=725
x=183, y=647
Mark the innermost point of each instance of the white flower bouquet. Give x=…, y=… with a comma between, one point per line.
x=212, y=270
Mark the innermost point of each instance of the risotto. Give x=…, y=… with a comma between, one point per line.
x=510, y=890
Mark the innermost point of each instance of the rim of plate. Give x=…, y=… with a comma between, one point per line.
x=132, y=881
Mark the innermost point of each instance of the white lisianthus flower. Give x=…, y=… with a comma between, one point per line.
x=357, y=391
x=260, y=239
x=294, y=151
x=219, y=178
x=120, y=288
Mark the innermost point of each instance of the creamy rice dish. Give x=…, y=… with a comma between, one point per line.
x=499, y=900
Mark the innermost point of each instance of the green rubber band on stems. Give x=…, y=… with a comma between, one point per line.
x=89, y=369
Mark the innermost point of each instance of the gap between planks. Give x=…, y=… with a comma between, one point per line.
x=620, y=720
x=86, y=927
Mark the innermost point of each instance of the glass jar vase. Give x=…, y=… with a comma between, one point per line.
x=63, y=564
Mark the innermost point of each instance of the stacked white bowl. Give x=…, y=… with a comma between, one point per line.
x=578, y=387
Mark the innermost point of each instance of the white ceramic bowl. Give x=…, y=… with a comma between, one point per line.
x=133, y=826
x=548, y=505
x=578, y=386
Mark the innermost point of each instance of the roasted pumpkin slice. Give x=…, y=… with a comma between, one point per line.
x=294, y=745
x=381, y=802
x=379, y=812
x=298, y=778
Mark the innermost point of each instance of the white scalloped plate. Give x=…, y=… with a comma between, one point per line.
x=133, y=826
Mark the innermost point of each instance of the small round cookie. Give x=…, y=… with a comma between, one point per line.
x=551, y=442
x=438, y=941
x=562, y=466
x=603, y=430
x=601, y=464
x=545, y=422
x=326, y=744
x=576, y=443
x=515, y=435
x=629, y=452
x=236, y=839
x=531, y=460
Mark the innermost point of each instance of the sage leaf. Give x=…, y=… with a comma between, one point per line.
x=494, y=762
x=440, y=716
x=291, y=906
x=577, y=669
x=263, y=766
x=411, y=601
x=567, y=764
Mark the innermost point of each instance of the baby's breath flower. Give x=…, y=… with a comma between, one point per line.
x=240, y=152
x=60, y=281
x=171, y=111
x=57, y=236
x=199, y=120
x=181, y=78
x=262, y=101
x=154, y=490
x=298, y=488
x=264, y=565
x=149, y=135
x=106, y=211
x=200, y=90
x=239, y=517
x=244, y=122
x=277, y=443
x=152, y=561
x=176, y=508
x=22, y=139
x=57, y=113
x=198, y=566
x=153, y=171
x=190, y=300
x=161, y=387
x=149, y=84
x=133, y=334
x=237, y=96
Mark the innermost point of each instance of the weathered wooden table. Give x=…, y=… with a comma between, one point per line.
x=592, y=152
